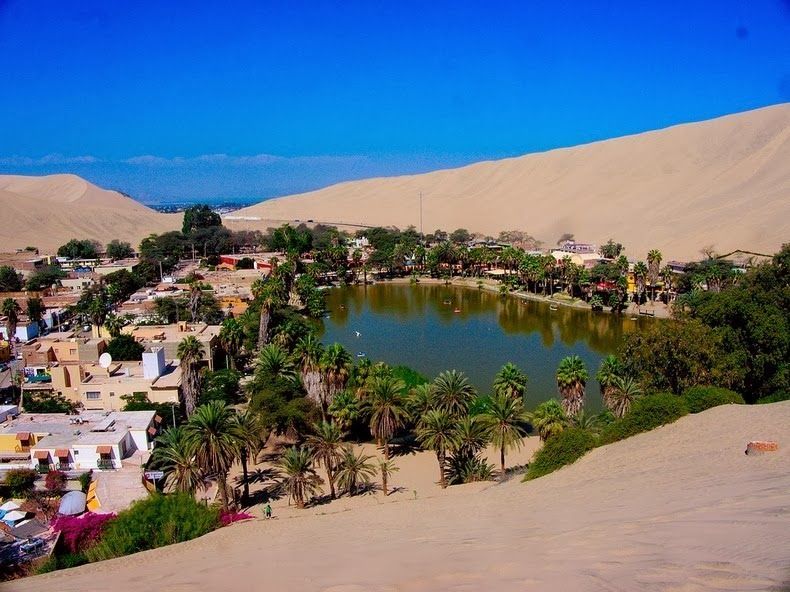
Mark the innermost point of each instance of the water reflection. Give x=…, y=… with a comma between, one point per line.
x=434, y=328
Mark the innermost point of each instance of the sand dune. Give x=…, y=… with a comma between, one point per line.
x=723, y=182
x=680, y=508
x=46, y=212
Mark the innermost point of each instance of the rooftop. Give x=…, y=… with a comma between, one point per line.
x=61, y=424
x=175, y=332
x=120, y=372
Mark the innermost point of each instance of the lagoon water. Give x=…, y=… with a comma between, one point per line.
x=417, y=325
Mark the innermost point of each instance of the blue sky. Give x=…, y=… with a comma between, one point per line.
x=255, y=99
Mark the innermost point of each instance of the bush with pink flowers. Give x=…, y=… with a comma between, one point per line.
x=80, y=532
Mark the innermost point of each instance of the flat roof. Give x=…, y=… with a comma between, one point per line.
x=62, y=423
x=121, y=372
x=172, y=332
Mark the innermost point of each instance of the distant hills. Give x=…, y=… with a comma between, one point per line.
x=723, y=183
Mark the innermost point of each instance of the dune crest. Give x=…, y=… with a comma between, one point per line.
x=48, y=211
x=723, y=183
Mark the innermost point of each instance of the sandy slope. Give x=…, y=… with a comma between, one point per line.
x=679, y=509
x=723, y=182
x=46, y=212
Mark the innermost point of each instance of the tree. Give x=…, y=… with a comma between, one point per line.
x=35, y=309
x=269, y=294
x=199, y=216
x=221, y=385
x=504, y=419
x=385, y=405
x=460, y=236
x=611, y=250
x=231, y=335
x=247, y=430
x=10, y=309
x=114, y=323
x=175, y=455
x=309, y=352
x=48, y=403
x=624, y=392
x=453, y=393
x=325, y=448
x=274, y=361
x=511, y=381
x=190, y=353
x=609, y=371
x=336, y=367
x=437, y=431
x=212, y=429
x=640, y=277
x=386, y=469
x=80, y=249
x=420, y=400
x=354, y=470
x=10, y=280
x=344, y=409
x=299, y=480
x=44, y=278
x=549, y=419
x=125, y=348
x=119, y=250
x=653, y=267
x=571, y=380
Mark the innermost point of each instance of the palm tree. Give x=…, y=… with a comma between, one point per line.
x=437, y=431
x=653, y=268
x=273, y=361
x=571, y=380
x=11, y=309
x=174, y=454
x=231, y=335
x=386, y=469
x=195, y=296
x=336, y=366
x=421, y=399
x=625, y=392
x=211, y=428
x=586, y=421
x=114, y=324
x=308, y=352
x=667, y=275
x=248, y=431
x=505, y=418
x=190, y=353
x=640, y=276
x=344, y=409
x=299, y=480
x=471, y=435
x=325, y=446
x=453, y=393
x=609, y=371
x=387, y=411
x=354, y=470
x=511, y=381
x=549, y=419
x=270, y=294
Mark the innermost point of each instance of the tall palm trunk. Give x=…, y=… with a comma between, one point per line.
x=502, y=459
x=222, y=482
x=440, y=455
x=330, y=476
x=386, y=444
x=384, y=483
x=263, y=327
x=243, y=458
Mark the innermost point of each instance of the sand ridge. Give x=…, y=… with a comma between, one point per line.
x=681, y=508
x=723, y=183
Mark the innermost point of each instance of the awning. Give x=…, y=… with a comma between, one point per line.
x=41, y=454
x=152, y=431
x=104, y=449
x=62, y=453
x=22, y=436
x=158, y=418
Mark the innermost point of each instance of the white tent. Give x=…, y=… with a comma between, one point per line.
x=9, y=506
x=72, y=503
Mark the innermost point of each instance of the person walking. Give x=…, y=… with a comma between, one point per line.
x=268, y=511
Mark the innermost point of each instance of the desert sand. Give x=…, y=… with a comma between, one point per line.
x=681, y=508
x=46, y=212
x=723, y=183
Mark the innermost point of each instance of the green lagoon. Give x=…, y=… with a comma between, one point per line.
x=432, y=328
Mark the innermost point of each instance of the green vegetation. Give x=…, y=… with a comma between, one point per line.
x=700, y=398
x=118, y=250
x=154, y=522
x=20, y=482
x=44, y=278
x=10, y=280
x=646, y=414
x=125, y=348
x=47, y=403
x=560, y=449
x=80, y=249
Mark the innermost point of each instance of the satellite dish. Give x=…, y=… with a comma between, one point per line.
x=105, y=360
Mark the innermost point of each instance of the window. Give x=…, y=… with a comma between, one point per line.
x=93, y=395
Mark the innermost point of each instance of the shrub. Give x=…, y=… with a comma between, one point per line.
x=154, y=522
x=775, y=398
x=646, y=414
x=20, y=481
x=125, y=347
x=78, y=533
x=85, y=480
x=561, y=449
x=64, y=561
x=700, y=398
x=55, y=480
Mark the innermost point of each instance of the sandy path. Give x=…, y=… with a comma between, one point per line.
x=681, y=509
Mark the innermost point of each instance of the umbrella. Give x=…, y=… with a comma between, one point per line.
x=14, y=516
x=72, y=503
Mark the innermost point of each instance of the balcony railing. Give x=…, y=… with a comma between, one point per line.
x=43, y=469
x=64, y=466
x=105, y=464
